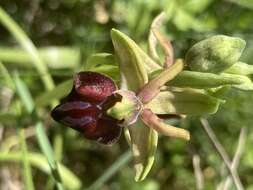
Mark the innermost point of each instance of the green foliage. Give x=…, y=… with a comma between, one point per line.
x=76, y=29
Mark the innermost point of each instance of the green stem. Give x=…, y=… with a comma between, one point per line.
x=116, y=166
x=26, y=163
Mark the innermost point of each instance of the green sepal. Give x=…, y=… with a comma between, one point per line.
x=184, y=101
x=143, y=144
x=215, y=54
x=134, y=67
x=133, y=61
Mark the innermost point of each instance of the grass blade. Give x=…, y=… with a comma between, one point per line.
x=21, y=133
x=26, y=163
x=27, y=44
x=6, y=77
x=44, y=143
x=56, y=57
x=117, y=165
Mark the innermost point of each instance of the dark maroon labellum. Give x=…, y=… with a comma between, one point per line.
x=84, y=108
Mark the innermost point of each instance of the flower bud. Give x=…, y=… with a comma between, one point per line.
x=215, y=54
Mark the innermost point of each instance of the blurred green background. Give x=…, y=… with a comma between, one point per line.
x=66, y=33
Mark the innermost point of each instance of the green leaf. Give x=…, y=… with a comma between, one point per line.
x=57, y=93
x=99, y=59
x=104, y=63
x=200, y=80
x=190, y=102
x=55, y=57
x=133, y=64
x=215, y=54
x=5, y=77
x=60, y=57
x=240, y=68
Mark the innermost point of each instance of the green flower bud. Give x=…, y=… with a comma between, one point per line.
x=215, y=54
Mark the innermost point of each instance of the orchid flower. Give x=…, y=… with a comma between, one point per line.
x=150, y=91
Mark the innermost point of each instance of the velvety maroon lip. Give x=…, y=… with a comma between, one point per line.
x=93, y=86
x=84, y=109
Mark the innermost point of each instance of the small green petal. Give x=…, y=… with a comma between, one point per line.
x=151, y=89
x=152, y=40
